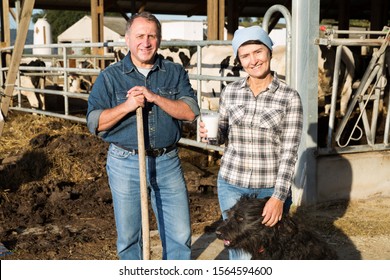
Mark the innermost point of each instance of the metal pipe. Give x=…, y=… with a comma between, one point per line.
x=387, y=124
x=365, y=32
x=366, y=81
x=350, y=42
x=378, y=93
x=335, y=87
x=199, y=78
x=51, y=114
x=202, y=145
x=286, y=13
x=367, y=78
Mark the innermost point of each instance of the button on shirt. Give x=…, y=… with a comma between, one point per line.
x=166, y=78
x=262, y=134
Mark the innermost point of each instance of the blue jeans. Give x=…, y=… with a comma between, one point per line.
x=169, y=200
x=229, y=194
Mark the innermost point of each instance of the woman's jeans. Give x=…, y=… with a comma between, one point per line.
x=169, y=200
x=229, y=194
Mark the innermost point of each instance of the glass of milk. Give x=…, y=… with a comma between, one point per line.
x=210, y=119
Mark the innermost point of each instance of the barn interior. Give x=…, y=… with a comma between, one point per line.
x=220, y=14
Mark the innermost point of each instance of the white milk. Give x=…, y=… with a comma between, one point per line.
x=210, y=120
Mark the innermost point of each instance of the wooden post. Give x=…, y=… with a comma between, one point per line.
x=212, y=19
x=143, y=186
x=221, y=20
x=6, y=31
x=97, y=16
x=5, y=23
x=15, y=59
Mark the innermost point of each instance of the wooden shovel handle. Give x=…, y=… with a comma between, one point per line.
x=143, y=186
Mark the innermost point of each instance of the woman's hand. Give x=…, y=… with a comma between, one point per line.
x=202, y=132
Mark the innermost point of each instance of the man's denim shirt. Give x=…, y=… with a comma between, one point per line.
x=167, y=79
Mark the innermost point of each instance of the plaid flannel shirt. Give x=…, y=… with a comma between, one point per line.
x=262, y=135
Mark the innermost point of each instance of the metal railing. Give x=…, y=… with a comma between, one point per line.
x=329, y=40
x=371, y=89
x=59, y=70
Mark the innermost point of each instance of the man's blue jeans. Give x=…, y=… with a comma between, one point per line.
x=229, y=194
x=169, y=200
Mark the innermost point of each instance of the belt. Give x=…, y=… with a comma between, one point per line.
x=151, y=152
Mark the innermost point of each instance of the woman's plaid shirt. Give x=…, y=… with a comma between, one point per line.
x=262, y=135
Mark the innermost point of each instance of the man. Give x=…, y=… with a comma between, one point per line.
x=162, y=89
x=261, y=122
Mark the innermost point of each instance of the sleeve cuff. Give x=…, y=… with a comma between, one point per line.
x=192, y=103
x=93, y=122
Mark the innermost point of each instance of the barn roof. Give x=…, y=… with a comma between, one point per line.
x=116, y=24
x=80, y=31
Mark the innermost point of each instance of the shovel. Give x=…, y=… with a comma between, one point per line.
x=143, y=187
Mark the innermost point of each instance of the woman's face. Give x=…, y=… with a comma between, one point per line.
x=255, y=59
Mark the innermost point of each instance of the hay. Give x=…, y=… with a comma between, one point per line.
x=56, y=158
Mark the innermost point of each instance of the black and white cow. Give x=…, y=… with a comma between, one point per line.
x=218, y=61
x=120, y=53
x=177, y=55
x=174, y=54
x=326, y=66
x=32, y=82
x=80, y=82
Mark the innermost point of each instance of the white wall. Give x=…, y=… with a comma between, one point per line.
x=353, y=176
x=182, y=30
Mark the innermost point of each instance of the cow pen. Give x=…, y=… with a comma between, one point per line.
x=338, y=169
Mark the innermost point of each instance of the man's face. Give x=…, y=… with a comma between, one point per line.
x=143, y=42
x=255, y=59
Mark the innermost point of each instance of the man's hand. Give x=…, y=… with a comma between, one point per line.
x=148, y=94
x=272, y=212
x=134, y=100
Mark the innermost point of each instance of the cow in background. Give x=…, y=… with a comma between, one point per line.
x=326, y=65
x=120, y=53
x=174, y=54
x=32, y=82
x=219, y=61
x=80, y=82
x=177, y=55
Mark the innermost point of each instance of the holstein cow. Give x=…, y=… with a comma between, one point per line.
x=326, y=65
x=80, y=82
x=32, y=82
x=175, y=54
x=120, y=53
x=219, y=61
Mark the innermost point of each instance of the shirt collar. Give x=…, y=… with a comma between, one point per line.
x=271, y=88
x=275, y=83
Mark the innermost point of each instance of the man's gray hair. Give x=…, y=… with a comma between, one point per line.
x=148, y=16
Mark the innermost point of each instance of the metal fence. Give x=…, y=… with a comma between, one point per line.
x=368, y=104
x=62, y=66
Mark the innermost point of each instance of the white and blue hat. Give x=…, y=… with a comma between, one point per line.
x=253, y=33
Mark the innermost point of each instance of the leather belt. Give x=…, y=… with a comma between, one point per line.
x=151, y=152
